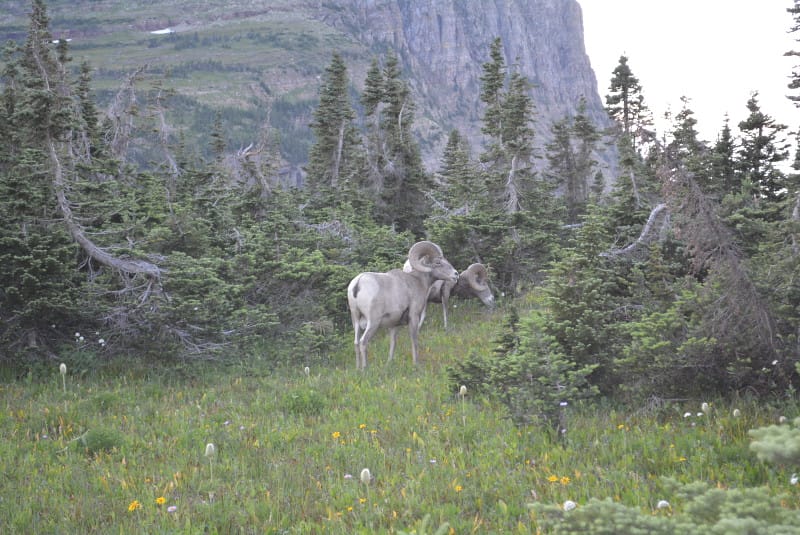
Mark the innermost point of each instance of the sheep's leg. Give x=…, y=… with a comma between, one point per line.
x=392, y=341
x=356, y=342
x=444, y=312
x=355, y=345
x=369, y=332
x=413, y=330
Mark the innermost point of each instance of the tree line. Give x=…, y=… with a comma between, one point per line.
x=676, y=277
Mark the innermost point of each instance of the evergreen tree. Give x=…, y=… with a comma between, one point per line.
x=41, y=289
x=571, y=165
x=218, y=138
x=685, y=144
x=373, y=89
x=636, y=186
x=461, y=183
x=516, y=140
x=397, y=178
x=794, y=83
x=587, y=297
x=723, y=175
x=625, y=105
x=762, y=149
x=511, y=228
x=333, y=159
x=493, y=81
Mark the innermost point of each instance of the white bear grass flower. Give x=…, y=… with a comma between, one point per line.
x=62, y=369
x=366, y=477
x=210, y=453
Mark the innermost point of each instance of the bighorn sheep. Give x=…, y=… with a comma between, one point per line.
x=395, y=298
x=472, y=282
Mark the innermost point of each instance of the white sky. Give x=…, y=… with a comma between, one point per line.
x=716, y=52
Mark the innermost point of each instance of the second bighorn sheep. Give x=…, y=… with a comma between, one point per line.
x=472, y=282
x=396, y=298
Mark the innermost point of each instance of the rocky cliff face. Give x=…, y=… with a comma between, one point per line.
x=253, y=54
x=443, y=45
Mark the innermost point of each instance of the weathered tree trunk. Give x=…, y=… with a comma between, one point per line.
x=131, y=267
x=655, y=229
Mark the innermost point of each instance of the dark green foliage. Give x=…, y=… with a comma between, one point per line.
x=99, y=440
x=462, y=187
x=40, y=295
x=492, y=83
x=602, y=517
x=587, y=302
x=721, y=178
x=336, y=161
x=303, y=402
x=625, y=104
x=395, y=178
x=527, y=372
x=244, y=265
x=763, y=148
x=513, y=218
x=475, y=372
x=778, y=444
x=571, y=162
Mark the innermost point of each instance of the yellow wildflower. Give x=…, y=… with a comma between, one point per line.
x=458, y=488
x=134, y=505
x=565, y=480
x=336, y=435
x=552, y=479
x=362, y=426
x=161, y=500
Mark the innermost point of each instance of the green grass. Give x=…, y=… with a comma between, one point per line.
x=290, y=448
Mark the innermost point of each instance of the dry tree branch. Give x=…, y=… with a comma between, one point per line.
x=654, y=229
x=120, y=114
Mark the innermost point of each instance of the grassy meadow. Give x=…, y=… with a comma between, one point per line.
x=125, y=449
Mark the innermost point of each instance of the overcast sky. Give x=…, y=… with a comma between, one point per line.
x=716, y=52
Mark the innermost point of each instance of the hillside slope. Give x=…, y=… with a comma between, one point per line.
x=251, y=56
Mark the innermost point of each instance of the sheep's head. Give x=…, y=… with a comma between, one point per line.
x=427, y=257
x=476, y=277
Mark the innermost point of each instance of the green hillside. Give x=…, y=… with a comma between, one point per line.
x=218, y=56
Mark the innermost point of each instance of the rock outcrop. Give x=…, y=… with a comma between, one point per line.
x=443, y=45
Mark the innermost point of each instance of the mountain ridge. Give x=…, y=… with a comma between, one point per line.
x=248, y=54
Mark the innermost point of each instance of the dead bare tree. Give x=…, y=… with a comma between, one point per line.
x=121, y=115
x=737, y=307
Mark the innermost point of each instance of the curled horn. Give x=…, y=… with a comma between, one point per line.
x=422, y=250
x=476, y=275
